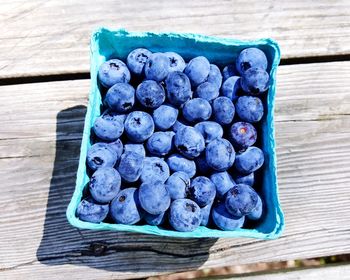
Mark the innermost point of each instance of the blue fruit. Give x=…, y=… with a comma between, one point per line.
x=242, y=135
x=90, y=211
x=250, y=58
x=249, y=160
x=165, y=116
x=139, y=126
x=223, y=110
x=104, y=184
x=150, y=94
x=231, y=87
x=117, y=147
x=130, y=166
x=210, y=130
x=244, y=179
x=257, y=211
x=154, y=220
x=101, y=155
x=185, y=215
x=249, y=109
x=137, y=59
x=157, y=67
x=189, y=142
x=160, y=143
x=177, y=184
x=202, y=191
x=241, y=200
x=228, y=71
x=154, y=170
x=154, y=197
x=109, y=126
x=214, y=76
x=113, y=71
x=224, y=220
x=120, y=97
x=202, y=165
x=207, y=91
x=205, y=211
x=125, y=207
x=196, y=110
x=255, y=81
x=178, y=88
x=220, y=154
x=197, y=70
x=177, y=162
x=177, y=63
x=223, y=183
x=136, y=148
x=177, y=126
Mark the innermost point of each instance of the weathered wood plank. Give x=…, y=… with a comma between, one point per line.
x=37, y=242
x=52, y=37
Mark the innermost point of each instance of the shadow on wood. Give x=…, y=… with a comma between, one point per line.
x=113, y=251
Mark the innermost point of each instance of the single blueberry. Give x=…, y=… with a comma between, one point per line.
x=154, y=220
x=189, y=142
x=230, y=88
x=137, y=59
x=185, y=215
x=177, y=162
x=223, y=183
x=165, y=116
x=117, y=147
x=249, y=160
x=202, y=165
x=205, y=211
x=101, y=155
x=109, y=126
x=210, y=130
x=130, y=166
x=220, y=154
x=177, y=184
x=154, y=169
x=196, y=110
x=224, y=220
x=257, y=211
x=255, y=81
x=113, y=71
x=207, y=91
x=178, y=88
x=241, y=200
x=202, y=191
x=177, y=63
x=244, y=179
x=178, y=125
x=160, y=143
x=197, y=70
x=249, y=58
x=125, y=207
x=242, y=135
x=157, y=67
x=150, y=94
x=154, y=197
x=90, y=211
x=228, y=71
x=223, y=110
x=249, y=109
x=214, y=76
x=120, y=97
x=139, y=126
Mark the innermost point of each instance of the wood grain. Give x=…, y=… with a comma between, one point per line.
x=38, y=175
x=51, y=37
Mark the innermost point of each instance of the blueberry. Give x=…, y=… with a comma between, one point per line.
x=230, y=87
x=224, y=220
x=178, y=125
x=90, y=211
x=177, y=184
x=207, y=91
x=120, y=97
x=214, y=76
x=210, y=130
x=205, y=211
x=242, y=135
x=136, y=148
x=137, y=59
x=202, y=191
x=228, y=71
x=125, y=207
x=130, y=166
x=249, y=109
x=223, y=110
x=139, y=126
x=249, y=58
x=154, y=220
x=197, y=70
x=249, y=160
x=223, y=183
x=257, y=211
x=241, y=200
x=220, y=154
x=160, y=143
x=109, y=126
x=202, y=165
x=255, y=81
x=177, y=63
x=113, y=71
x=189, y=142
x=104, y=184
x=165, y=116
x=154, y=169
x=150, y=94
x=196, y=110
x=185, y=215
x=101, y=155
x=117, y=147
x=244, y=179
x=178, y=88
x=154, y=197
x=157, y=67
x=177, y=162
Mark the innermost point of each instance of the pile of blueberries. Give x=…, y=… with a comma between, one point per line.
x=170, y=136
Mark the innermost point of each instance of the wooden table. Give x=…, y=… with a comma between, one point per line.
x=44, y=64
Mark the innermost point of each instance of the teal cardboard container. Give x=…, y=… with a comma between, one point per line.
x=106, y=44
